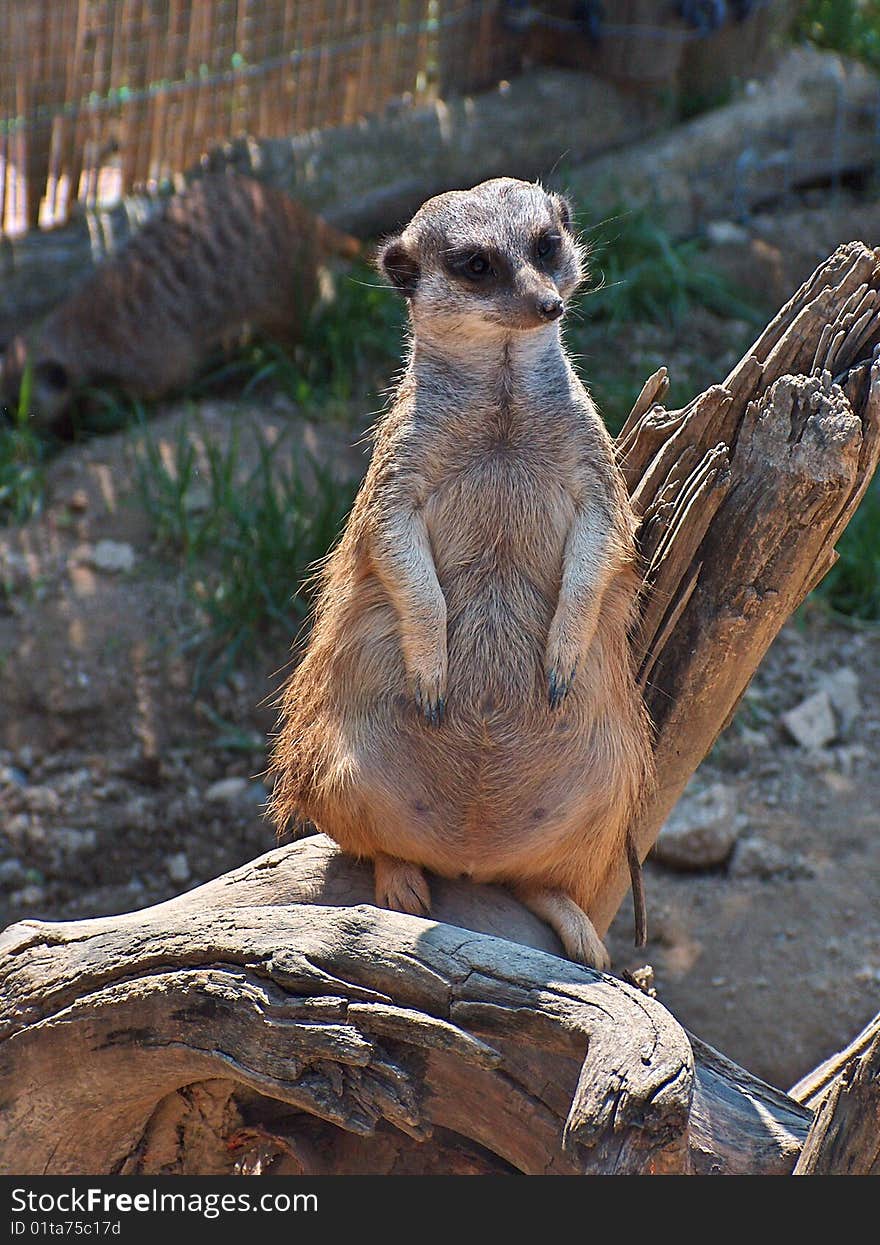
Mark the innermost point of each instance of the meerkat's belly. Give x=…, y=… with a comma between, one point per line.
x=505, y=770
x=505, y=780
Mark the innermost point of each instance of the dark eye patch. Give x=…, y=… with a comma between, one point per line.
x=52, y=374
x=476, y=265
x=546, y=246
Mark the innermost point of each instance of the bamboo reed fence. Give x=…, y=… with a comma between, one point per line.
x=100, y=97
x=104, y=95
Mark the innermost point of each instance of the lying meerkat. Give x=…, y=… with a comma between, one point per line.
x=225, y=253
x=466, y=703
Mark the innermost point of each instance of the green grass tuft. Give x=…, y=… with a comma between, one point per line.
x=641, y=273
x=22, y=476
x=247, y=542
x=848, y=26
x=852, y=586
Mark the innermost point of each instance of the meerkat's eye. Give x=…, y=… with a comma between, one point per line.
x=478, y=266
x=547, y=245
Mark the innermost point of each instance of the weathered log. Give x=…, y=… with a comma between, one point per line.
x=812, y=122
x=844, y=1139
x=262, y=1027
x=364, y=178
x=742, y=495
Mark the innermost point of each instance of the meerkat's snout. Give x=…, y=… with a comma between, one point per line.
x=535, y=299
x=49, y=387
x=550, y=307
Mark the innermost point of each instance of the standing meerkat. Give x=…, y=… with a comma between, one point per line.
x=225, y=253
x=467, y=703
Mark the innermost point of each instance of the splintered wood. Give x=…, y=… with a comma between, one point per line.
x=742, y=496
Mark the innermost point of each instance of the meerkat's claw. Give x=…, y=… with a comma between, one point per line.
x=584, y=946
x=558, y=687
x=401, y=886
x=436, y=712
x=433, y=707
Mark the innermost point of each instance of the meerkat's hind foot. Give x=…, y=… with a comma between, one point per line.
x=571, y=925
x=401, y=886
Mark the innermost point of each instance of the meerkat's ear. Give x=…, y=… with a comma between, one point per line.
x=564, y=211
x=400, y=267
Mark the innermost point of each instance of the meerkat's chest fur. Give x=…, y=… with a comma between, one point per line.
x=500, y=446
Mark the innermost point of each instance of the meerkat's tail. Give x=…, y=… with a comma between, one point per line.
x=640, y=914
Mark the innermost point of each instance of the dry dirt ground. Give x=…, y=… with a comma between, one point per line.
x=120, y=787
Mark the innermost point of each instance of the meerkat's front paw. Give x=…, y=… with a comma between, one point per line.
x=428, y=680
x=401, y=886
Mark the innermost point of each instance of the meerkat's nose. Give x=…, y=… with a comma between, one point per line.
x=550, y=306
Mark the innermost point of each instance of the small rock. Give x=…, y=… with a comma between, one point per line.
x=12, y=776
x=111, y=556
x=12, y=872
x=754, y=740
x=842, y=687
x=178, y=867
x=868, y=974
x=811, y=723
x=227, y=789
x=41, y=799
x=74, y=780
x=17, y=831
x=26, y=757
x=15, y=571
x=726, y=233
x=849, y=757
x=701, y=830
x=838, y=784
x=28, y=897
x=754, y=857
x=72, y=842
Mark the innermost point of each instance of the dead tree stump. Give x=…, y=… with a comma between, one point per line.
x=743, y=495
x=256, y=1025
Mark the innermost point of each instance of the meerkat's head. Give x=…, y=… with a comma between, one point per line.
x=500, y=257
